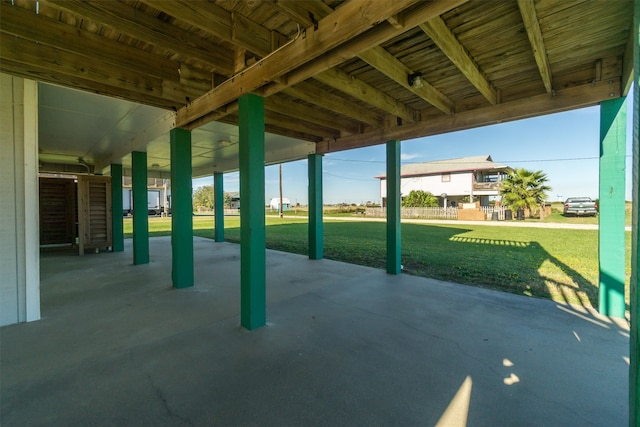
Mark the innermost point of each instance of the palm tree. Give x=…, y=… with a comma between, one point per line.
x=524, y=189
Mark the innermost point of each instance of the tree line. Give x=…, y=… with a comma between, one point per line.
x=204, y=197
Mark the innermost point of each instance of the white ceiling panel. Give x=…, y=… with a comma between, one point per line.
x=101, y=130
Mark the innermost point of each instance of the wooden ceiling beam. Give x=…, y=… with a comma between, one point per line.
x=349, y=50
x=306, y=13
x=270, y=127
x=530, y=19
x=627, y=65
x=320, y=116
x=41, y=29
x=448, y=43
x=352, y=19
x=228, y=26
x=299, y=125
x=46, y=75
x=564, y=100
x=380, y=34
x=312, y=94
x=67, y=67
x=393, y=68
x=127, y=20
x=358, y=89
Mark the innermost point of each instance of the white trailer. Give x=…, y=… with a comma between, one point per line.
x=155, y=202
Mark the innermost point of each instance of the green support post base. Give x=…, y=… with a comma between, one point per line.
x=634, y=297
x=218, y=206
x=252, y=215
x=140, y=211
x=612, y=207
x=316, y=229
x=182, y=274
x=393, y=208
x=117, y=225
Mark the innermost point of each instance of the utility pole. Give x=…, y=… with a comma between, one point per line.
x=280, y=208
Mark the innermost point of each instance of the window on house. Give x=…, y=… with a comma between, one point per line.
x=446, y=177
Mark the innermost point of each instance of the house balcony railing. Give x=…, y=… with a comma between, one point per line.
x=486, y=186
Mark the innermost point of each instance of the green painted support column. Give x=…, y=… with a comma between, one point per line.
x=117, y=225
x=393, y=208
x=634, y=350
x=181, y=209
x=252, y=216
x=140, y=208
x=316, y=227
x=218, y=206
x=612, y=206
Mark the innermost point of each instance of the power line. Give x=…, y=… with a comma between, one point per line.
x=357, y=161
x=444, y=162
x=344, y=177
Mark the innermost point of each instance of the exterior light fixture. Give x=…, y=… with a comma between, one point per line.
x=415, y=80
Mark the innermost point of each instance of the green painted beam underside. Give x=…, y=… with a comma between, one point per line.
x=634, y=350
x=117, y=225
x=181, y=209
x=140, y=208
x=393, y=208
x=218, y=206
x=612, y=206
x=252, y=215
x=316, y=228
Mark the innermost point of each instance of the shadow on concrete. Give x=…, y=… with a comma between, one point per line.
x=345, y=345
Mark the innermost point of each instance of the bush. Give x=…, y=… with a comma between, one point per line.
x=420, y=199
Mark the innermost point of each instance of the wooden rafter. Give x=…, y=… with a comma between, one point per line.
x=321, y=116
x=442, y=36
x=309, y=15
x=225, y=25
x=127, y=20
x=530, y=19
x=198, y=57
x=575, y=97
x=350, y=49
x=393, y=68
x=627, y=65
x=310, y=93
x=299, y=125
x=53, y=65
x=350, y=20
x=364, y=92
x=43, y=30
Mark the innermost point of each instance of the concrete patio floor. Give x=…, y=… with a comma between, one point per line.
x=345, y=345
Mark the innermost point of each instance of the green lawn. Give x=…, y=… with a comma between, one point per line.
x=558, y=264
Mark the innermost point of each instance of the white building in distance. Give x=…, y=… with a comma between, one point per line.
x=275, y=204
x=477, y=178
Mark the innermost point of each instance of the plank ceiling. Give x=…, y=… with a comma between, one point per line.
x=334, y=73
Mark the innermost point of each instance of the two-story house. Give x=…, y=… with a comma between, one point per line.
x=469, y=178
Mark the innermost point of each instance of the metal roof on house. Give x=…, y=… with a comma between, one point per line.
x=460, y=164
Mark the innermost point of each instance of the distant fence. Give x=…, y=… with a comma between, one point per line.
x=437, y=213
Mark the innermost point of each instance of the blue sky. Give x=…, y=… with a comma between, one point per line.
x=565, y=146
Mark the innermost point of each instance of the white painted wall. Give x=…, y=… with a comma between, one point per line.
x=459, y=185
x=19, y=233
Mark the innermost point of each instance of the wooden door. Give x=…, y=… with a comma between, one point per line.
x=94, y=213
x=57, y=211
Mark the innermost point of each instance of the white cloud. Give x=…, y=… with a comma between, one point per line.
x=408, y=156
